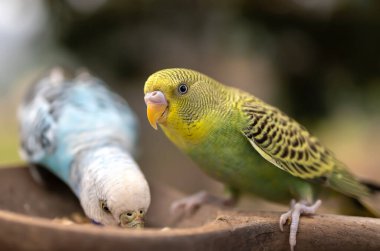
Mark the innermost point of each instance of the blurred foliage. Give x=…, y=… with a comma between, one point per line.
x=314, y=47
x=319, y=60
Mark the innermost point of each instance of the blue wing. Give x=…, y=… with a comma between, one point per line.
x=38, y=117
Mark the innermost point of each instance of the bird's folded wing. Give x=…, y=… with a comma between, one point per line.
x=284, y=142
x=289, y=146
x=38, y=118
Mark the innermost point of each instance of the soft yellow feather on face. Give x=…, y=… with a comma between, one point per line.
x=185, y=135
x=190, y=117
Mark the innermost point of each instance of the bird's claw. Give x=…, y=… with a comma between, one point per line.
x=296, y=210
x=190, y=204
x=286, y=216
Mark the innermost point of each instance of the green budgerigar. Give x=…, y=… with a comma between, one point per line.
x=248, y=145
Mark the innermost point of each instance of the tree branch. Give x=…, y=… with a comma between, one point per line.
x=27, y=210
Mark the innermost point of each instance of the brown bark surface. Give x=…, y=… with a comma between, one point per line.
x=27, y=210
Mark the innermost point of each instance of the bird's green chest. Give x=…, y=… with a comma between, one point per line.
x=227, y=156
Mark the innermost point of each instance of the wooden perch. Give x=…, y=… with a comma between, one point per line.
x=27, y=210
x=227, y=232
x=260, y=231
x=233, y=230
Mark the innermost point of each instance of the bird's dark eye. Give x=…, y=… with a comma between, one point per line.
x=103, y=205
x=182, y=88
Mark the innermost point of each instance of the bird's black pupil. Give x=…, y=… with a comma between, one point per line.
x=129, y=214
x=183, y=88
x=106, y=209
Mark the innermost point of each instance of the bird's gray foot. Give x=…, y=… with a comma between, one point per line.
x=190, y=204
x=296, y=210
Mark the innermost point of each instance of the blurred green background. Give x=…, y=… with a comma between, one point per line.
x=318, y=60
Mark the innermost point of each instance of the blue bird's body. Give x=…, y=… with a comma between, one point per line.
x=88, y=117
x=86, y=135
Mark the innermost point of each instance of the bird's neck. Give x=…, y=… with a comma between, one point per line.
x=93, y=164
x=191, y=132
x=186, y=135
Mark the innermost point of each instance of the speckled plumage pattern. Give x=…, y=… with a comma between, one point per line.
x=289, y=146
x=86, y=135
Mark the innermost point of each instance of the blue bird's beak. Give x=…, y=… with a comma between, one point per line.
x=132, y=219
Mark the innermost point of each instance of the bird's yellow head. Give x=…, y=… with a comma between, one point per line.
x=175, y=96
x=183, y=102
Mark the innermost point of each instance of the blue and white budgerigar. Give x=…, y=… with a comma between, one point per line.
x=85, y=134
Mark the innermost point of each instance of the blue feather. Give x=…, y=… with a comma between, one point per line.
x=62, y=117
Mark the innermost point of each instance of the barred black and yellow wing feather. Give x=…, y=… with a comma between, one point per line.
x=289, y=146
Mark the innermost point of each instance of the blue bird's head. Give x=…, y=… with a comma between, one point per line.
x=114, y=190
